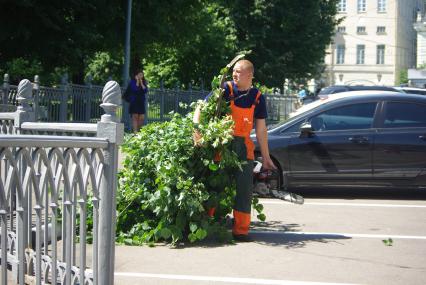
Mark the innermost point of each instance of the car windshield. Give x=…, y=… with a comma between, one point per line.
x=300, y=111
x=309, y=107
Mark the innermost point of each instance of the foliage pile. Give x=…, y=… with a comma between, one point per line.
x=167, y=183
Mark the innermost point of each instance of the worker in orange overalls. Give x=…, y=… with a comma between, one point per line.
x=247, y=104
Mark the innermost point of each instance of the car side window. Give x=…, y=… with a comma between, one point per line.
x=350, y=117
x=404, y=115
x=293, y=129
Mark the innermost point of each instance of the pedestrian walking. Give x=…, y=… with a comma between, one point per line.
x=302, y=94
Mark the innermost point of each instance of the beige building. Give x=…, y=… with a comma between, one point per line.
x=417, y=76
x=420, y=27
x=373, y=43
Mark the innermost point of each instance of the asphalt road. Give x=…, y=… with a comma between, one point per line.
x=335, y=237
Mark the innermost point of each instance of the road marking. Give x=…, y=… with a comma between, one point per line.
x=341, y=235
x=221, y=279
x=348, y=204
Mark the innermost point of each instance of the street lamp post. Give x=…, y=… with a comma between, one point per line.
x=126, y=66
x=127, y=43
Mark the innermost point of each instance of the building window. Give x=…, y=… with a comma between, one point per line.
x=381, y=30
x=360, y=54
x=340, y=54
x=341, y=6
x=361, y=6
x=381, y=6
x=380, y=54
x=360, y=30
x=341, y=29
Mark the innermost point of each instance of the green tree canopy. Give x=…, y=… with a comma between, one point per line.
x=56, y=33
x=180, y=42
x=287, y=38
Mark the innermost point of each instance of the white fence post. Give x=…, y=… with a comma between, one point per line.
x=109, y=128
x=24, y=113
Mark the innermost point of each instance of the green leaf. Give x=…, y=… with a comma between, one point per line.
x=165, y=233
x=388, y=242
x=201, y=234
x=192, y=237
x=261, y=217
x=213, y=167
x=145, y=226
x=259, y=207
x=193, y=227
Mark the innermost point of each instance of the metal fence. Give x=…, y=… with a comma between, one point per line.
x=57, y=195
x=64, y=103
x=80, y=103
x=163, y=101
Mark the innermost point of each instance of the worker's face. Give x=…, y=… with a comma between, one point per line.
x=242, y=76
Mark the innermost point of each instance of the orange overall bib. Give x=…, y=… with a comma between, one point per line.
x=244, y=147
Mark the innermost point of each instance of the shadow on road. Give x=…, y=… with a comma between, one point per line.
x=270, y=233
x=277, y=233
x=274, y=226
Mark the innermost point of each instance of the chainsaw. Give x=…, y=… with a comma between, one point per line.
x=267, y=184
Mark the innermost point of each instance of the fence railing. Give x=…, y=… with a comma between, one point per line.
x=57, y=195
x=80, y=103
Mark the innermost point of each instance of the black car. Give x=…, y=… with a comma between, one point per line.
x=345, y=88
x=373, y=140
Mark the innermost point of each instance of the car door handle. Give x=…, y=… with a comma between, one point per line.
x=360, y=140
x=423, y=137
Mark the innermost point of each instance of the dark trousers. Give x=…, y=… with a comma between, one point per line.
x=244, y=177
